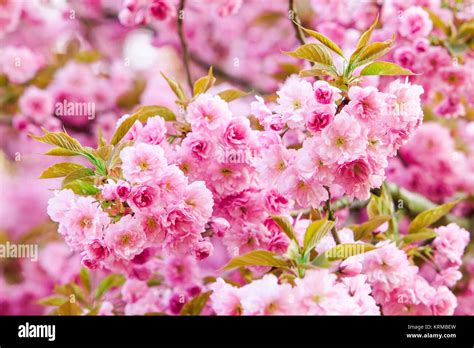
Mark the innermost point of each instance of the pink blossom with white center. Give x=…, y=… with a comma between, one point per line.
x=200, y=200
x=154, y=132
x=208, y=112
x=171, y=185
x=365, y=104
x=226, y=178
x=84, y=221
x=295, y=100
x=318, y=293
x=274, y=162
x=142, y=162
x=415, y=22
x=310, y=162
x=387, y=267
x=20, y=64
x=265, y=297
x=306, y=192
x=246, y=237
x=125, y=238
x=37, y=104
x=343, y=140
x=225, y=298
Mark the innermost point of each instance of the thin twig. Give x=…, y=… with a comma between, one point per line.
x=330, y=212
x=226, y=76
x=295, y=21
x=184, y=46
x=341, y=105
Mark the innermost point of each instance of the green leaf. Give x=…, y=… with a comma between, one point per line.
x=257, y=258
x=203, y=84
x=69, y=145
x=343, y=251
x=101, y=142
x=85, y=279
x=82, y=187
x=314, y=53
x=363, y=41
x=52, y=301
x=142, y=114
x=196, y=305
x=321, y=261
x=319, y=70
x=429, y=217
x=286, y=226
x=60, y=139
x=57, y=151
x=315, y=232
x=384, y=68
x=232, y=94
x=364, y=230
x=89, y=56
x=176, y=88
x=372, y=52
x=104, y=152
x=325, y=41
x=77, y=174
x=61, y=169
x=145, y=112
x=293, y=251
x=108, y=283
x=78, y=293
x=466, y=29
x=69, y=308
x=423, y=234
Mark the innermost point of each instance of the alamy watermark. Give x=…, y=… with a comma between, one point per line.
x=25, y=251
x=76, y=109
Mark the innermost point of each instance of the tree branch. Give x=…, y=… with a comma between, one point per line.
x=295, y=20
x=184, y=46
x=330, y=212
x=226, y=76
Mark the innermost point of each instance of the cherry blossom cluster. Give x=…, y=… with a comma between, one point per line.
x=383, y=281
x=345, y=152
x=223, y=150
x=152, y=208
